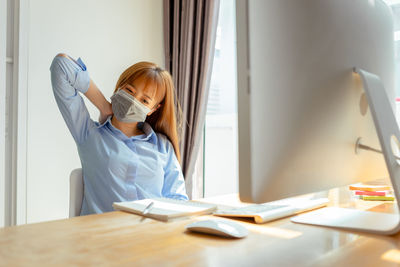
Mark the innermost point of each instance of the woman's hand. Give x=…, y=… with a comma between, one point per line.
x=105, y=112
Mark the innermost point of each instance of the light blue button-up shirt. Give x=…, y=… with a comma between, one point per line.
x=115, y=167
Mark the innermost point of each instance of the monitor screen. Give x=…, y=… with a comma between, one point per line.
x=301, y=108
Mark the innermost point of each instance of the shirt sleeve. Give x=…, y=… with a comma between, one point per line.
x=68, y=77
x=174, y=184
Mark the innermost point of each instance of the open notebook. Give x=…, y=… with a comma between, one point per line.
x=165, y=208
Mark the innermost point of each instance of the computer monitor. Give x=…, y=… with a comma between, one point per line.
x=301, y=107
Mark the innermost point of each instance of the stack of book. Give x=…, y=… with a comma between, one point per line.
x=372, y=192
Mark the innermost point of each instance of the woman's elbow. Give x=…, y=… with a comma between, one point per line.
x=61, y=55
x=58, y=62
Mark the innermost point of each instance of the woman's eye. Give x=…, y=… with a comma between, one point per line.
x=145, y=101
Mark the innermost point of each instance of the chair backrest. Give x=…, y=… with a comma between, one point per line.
x=75, y=192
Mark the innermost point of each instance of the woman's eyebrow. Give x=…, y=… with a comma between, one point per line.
x=145, y=95
x=148, y=97
x=130, y=86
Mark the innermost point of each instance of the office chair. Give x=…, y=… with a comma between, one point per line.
x=75, y=192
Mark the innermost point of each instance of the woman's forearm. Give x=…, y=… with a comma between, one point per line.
x=97, y=98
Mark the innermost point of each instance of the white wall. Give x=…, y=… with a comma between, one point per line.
x=109, y=36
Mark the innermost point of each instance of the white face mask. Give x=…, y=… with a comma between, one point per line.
x=126, y=108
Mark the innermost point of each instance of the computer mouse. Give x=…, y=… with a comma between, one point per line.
x=225, y=228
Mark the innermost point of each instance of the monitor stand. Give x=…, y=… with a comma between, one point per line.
x=388, y=134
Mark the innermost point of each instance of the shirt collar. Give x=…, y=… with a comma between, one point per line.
x=149, y=134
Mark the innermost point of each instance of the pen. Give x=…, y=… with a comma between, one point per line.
x=148, y=208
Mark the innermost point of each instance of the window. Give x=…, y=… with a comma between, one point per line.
x=220, y=137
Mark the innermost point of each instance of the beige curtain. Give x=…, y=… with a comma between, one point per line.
x=189, y=34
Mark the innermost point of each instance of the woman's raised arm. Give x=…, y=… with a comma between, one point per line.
x=96, y=97
x=67, y=78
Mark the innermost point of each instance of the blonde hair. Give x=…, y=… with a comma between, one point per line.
x=164, y=119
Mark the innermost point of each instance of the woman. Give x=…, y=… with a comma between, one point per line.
x=132, y=153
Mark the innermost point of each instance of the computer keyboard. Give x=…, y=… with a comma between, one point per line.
x=274, y=210
x=253, y=209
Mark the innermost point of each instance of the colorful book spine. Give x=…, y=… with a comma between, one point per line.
x=370, y=193
x=381, y=198
x=370, y=188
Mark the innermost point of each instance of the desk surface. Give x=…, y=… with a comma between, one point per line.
x=119, y=238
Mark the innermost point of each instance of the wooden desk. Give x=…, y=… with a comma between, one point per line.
x=119, y=238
